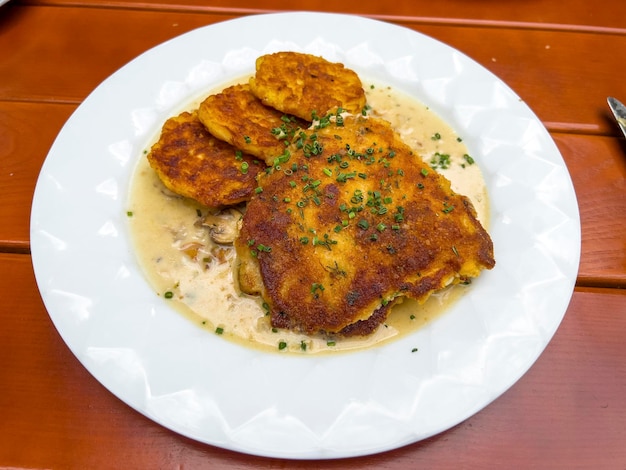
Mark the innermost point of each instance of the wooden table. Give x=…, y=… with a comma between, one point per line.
x=562, y=58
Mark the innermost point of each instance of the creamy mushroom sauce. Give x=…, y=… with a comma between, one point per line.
x=195, y=275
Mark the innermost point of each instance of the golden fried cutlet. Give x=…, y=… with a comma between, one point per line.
x=301, y=84
x=193, y=163
x=238, y=117
x=351, y=224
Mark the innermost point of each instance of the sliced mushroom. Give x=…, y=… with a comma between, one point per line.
x=223, y=226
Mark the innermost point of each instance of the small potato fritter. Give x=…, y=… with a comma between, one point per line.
x=238, y=117
x=191, y=162
x=357, y=222
x=303, y=84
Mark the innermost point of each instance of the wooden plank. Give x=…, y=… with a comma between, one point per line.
x=598, y=169
x=543, y=14
x=542, y=66
x=27, y=130
x=75, y=49
x=567, y=411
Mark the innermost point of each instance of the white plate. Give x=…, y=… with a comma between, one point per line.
x=206, y=388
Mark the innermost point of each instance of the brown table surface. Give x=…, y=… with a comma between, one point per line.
x=562, y=58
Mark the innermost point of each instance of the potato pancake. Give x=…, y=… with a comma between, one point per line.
x=238, y=117
x=351, y=224
x=193, y=163
x=303, y=84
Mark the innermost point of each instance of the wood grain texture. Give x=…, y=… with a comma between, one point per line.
x=567, y=411
x=535, y=14
x=27, y=130
x=71, y=52
x=598, y=169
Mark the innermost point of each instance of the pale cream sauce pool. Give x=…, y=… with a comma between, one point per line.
x=195, y=274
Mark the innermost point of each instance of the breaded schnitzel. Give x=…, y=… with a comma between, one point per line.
x=238, y=117
x=302, y=84
x=353, y=222
x=193, y=163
